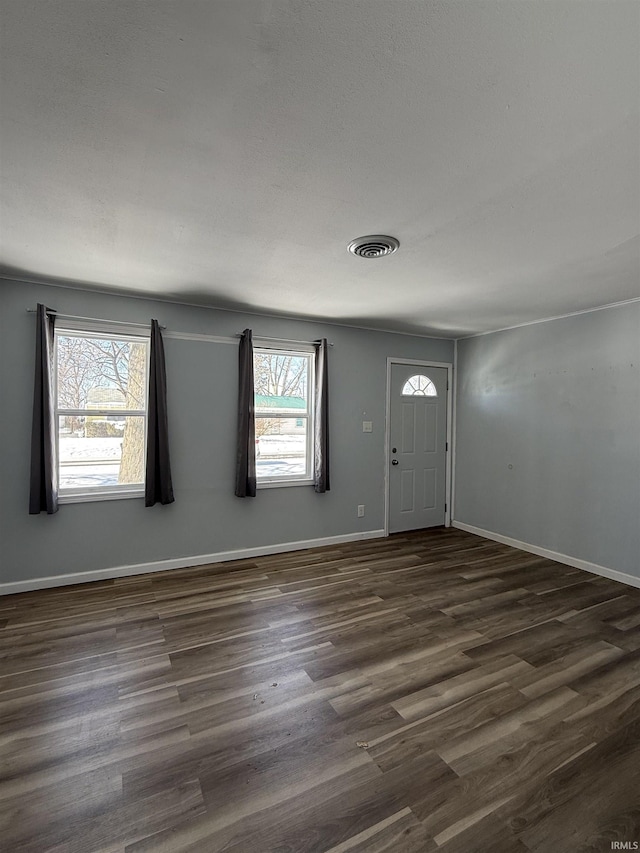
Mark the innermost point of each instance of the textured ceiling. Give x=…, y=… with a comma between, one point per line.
x=226, y=152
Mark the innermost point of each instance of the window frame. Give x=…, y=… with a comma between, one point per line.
x=307, y=351
x=102, y=331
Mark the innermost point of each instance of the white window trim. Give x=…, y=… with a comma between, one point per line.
x=282, y=483
x=70, y=497
x=306, y=350
x=98, y=329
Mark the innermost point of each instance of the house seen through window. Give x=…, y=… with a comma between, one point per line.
x=283, y=381
x=101, y=413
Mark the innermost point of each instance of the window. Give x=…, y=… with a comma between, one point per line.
x=283, y=382
x=101, y=412
x=419, y=386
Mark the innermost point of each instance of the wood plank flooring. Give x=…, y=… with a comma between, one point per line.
x=432, y=691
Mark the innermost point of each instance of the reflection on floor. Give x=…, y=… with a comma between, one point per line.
x=430, y=691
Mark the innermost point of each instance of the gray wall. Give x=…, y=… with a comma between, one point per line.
x=202, y=381
x=560, y=403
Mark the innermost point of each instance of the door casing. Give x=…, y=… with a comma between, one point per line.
x=387, y=429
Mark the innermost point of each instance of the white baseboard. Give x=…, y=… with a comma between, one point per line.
x=594, y=568
x=182, y=562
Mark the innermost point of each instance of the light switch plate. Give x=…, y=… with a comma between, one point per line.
x=367, y=426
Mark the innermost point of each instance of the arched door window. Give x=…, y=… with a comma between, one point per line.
x=419, y=386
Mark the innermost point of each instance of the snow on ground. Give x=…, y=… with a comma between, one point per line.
x=73, y=447
x=274, y=446
x=96, y=461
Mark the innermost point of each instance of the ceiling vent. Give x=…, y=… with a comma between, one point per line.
x=373, y=246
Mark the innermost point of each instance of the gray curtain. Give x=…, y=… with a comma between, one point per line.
x=321, y=426
x=158, y=485
x=43, y=495
x=246, y=435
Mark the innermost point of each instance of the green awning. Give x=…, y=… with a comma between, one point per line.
x=264, y=401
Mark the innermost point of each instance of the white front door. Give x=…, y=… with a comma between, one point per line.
x=417, y=447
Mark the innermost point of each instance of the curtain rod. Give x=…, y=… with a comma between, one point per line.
x=282, y=340
x=92, y=319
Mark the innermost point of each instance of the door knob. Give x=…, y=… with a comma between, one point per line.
x=394, y=461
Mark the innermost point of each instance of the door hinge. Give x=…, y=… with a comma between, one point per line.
x=445, y=507
x=446, y=447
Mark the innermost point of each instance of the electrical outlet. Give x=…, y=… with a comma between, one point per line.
x=360, y=510
x=367, y=426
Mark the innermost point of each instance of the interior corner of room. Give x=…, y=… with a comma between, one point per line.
x=543, y=435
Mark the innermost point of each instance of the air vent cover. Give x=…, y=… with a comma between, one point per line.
x=373, y=246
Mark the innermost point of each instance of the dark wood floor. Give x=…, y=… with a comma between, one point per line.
x=431, y=691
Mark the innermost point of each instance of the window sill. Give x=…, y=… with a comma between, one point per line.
x=90, y=497
x=279, y=484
